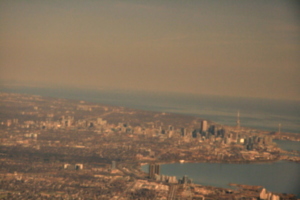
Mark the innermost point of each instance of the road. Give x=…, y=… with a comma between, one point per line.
x=172, y=192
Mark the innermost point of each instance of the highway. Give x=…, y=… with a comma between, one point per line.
x=172, y=192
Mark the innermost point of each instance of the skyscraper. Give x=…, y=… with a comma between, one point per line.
x=203, y=127
x=154, y=169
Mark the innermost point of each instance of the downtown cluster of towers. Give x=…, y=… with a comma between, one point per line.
x=225, y=136
x=206, y=131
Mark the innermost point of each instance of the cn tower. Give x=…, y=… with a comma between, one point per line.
x=238, y=119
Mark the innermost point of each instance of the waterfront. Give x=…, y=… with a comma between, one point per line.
x=166, y=150
x=92, y=90
x=263, y=114
x=222, y=111
x=282, y=176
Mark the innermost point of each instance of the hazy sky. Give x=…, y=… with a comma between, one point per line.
x=239, y=48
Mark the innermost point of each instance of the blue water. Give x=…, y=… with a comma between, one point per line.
x=281, y=177
x=288, y=145
x=264, y=114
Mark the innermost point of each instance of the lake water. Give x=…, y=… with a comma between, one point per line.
x=281, y=177
x=288, y=145
x=264, y=114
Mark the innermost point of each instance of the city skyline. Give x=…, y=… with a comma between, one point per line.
x=244, y=48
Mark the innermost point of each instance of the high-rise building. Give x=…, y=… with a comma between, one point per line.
x=195, y=133
x=113, y=165
x=185, y=180
x=153, y=170
x=203, y=127
x=221, y=133
x=171, y=128
x=183, y=132
x=212, y=129
x=157, y=169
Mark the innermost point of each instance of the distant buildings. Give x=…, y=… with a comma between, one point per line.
x=67, y=166
x=77, y=166
x=185, y=180
x=183, y=132
x=165, y=178
x=113, y=165
x=265, y=195
x=171, y=128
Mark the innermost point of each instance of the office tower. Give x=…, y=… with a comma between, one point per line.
x=221, y=132
x=157, y=169
x=153, y=170
x=113, y=165
x=183, y=132
x=171, y=128
x=185, y=180
x=212, y=129
x=203, y=127
x=195, y=133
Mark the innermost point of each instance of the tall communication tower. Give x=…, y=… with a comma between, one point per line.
x=238, y=119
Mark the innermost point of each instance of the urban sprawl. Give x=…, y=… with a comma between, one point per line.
x=66, y=149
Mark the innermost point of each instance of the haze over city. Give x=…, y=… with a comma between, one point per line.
x=140, y=99
x=234, y=48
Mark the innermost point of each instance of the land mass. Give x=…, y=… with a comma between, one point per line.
x=67, y=149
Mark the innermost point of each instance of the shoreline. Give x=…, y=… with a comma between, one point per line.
x=229, y=162
x=105, y=102
x=117, y=139
x=230, y=185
